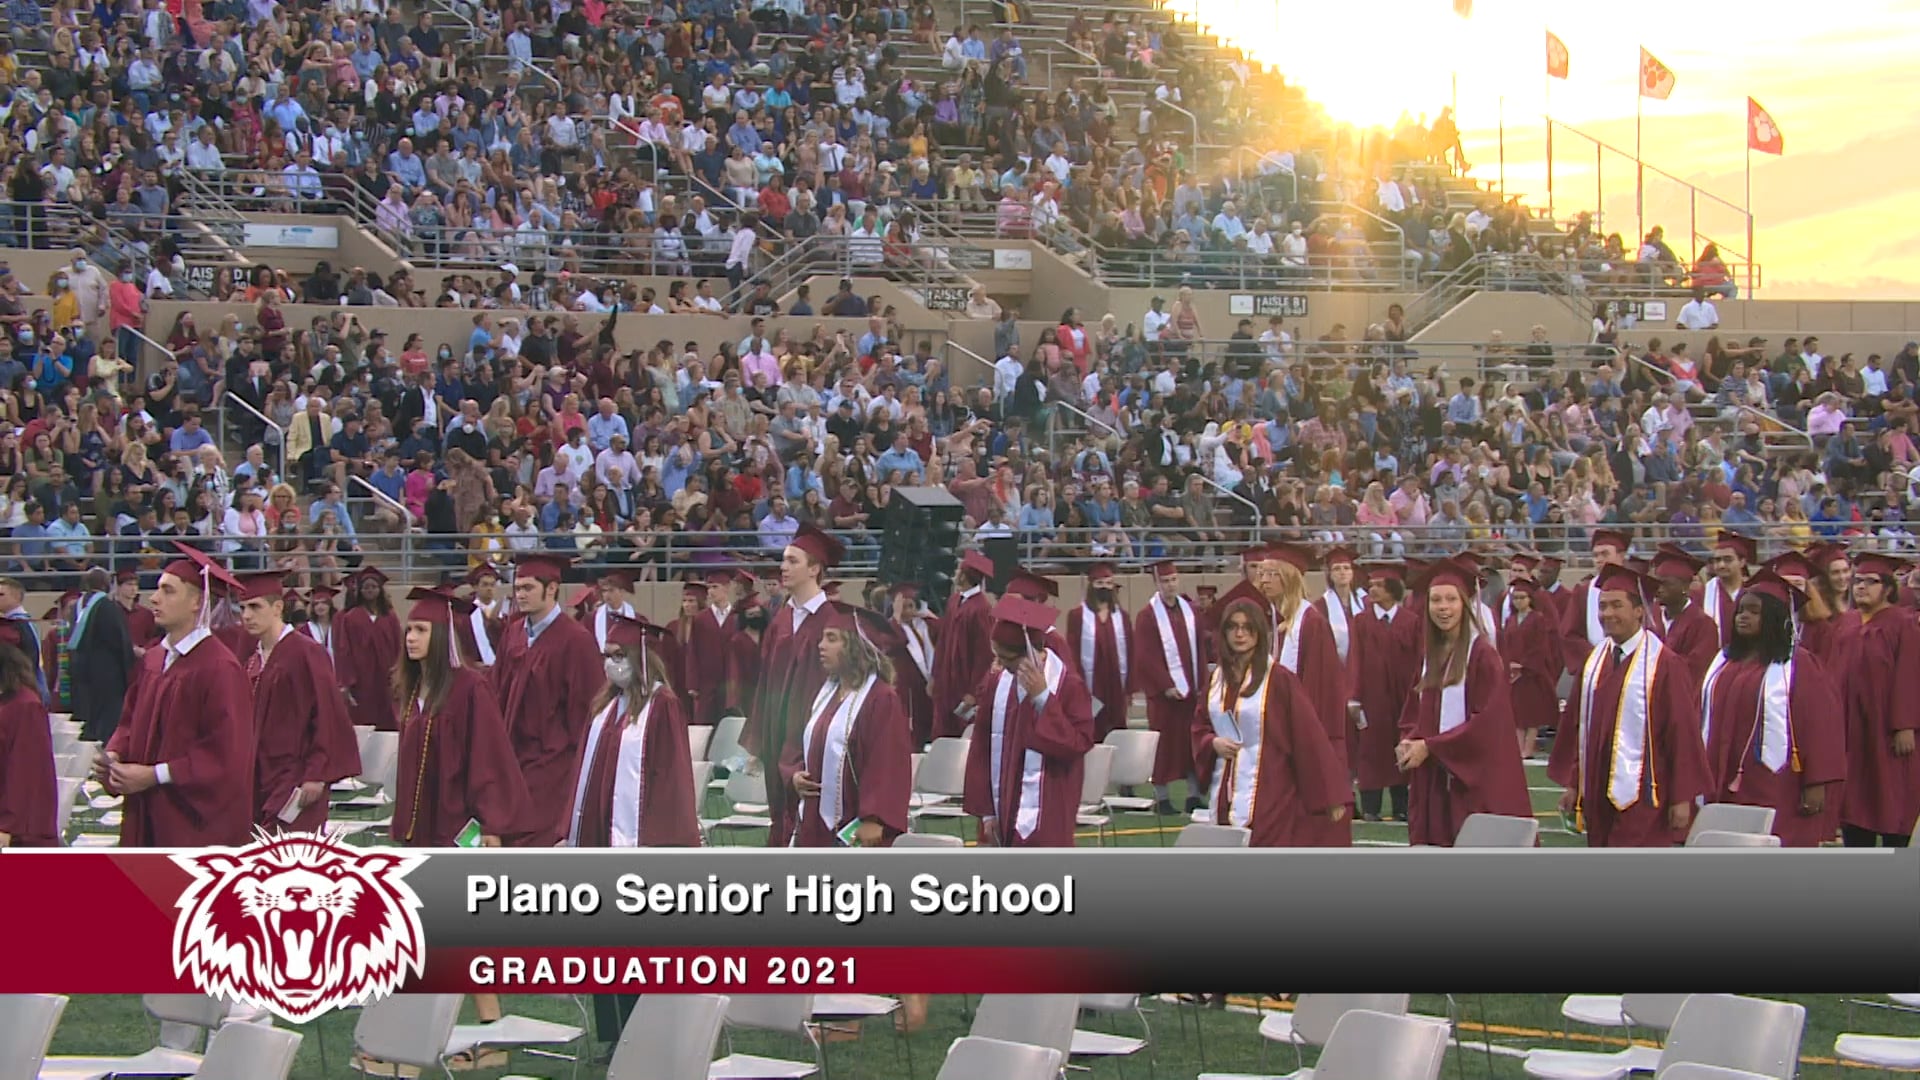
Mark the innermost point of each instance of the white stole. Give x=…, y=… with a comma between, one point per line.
x=1090, y=636
x=1630, y=751
x=322, y=634
x=1716, y=607
x=1595, y=635
x=481, y=644
x=600, y=622
x=919, y=646
x=1487, y=625
x=1772, y=728
x=839, y=733
x=1338, y=614
x=1290, y=644
x=1246, y=725
x=1714, y=669
x=1453, y=699
x=1170, y=645
x=1026, y=817
x=630, y=775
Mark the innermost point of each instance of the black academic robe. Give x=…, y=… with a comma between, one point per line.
x=100, y=665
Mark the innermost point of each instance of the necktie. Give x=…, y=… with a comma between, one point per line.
x=1619, y=656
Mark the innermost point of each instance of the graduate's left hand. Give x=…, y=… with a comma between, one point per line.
x=1903, y=743
x=313, y=793
x=1412, y=754
x=1033, y=681
x=869, y=834
x=1679, y=815
x=1813, y=799
x=131, y=779
x=1338, y=814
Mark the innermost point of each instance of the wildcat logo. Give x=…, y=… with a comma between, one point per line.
x=298, y=924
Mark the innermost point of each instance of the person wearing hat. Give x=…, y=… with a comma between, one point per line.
x=100, y=660
x=961, y=657
x=615, y=595
x=1304, y=645
x=140, y=628
x=488, y=619
x=1680, y=622
x=1882, y=683
x=1025, y=764
x=1830, y=623
x=701, y=634
x=790, y=675
x=1547, y=573
x=914, y=629
x=304, y=738
x=1628, y=749
x=634, y=785
x=1732, y=555
x=545, y=684
x=1520, y=567
x=1458, y=749
x=1097, y=649
x=1041, y=590
x=1343, y=601
x=365, y=646
x=320, y=622
x=1530, y=644
x=851, y=763
x=1270, y=767
x=1580, y=627
x=1167, y=669
x=29, y=791
x=1769, y=715
x=1383, y=674
x=1482, y=611
x=182, y=758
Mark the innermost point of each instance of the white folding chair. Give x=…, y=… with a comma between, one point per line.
x=1102, y=1044
x=669, y=1037
x=1314, y=1017
x=1709, y=1029
x=379, y=769
x=927, y=840
x=65, y=740
x=536, y=1038
x=249, y=1052
x=723, y=746
x=699, y=737
x=1627, y=1012
x=1882, y=1051
x=1716, y=838
x=1367, y=1045
x=702, y=774
x=784, y=1013
x=746, y=794
x=26, y=1028
x=942, y=777
x=66, y=794
x=1687, y=1070
x=1044, y=1020
x=1202, y=835
x=1093, y=791
x=1133, y=753
x=974, y=1057
x=1731, y=817
x=1497, y=831
x=407, y=1029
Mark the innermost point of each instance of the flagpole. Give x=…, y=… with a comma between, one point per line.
x=1503, y=147
x=1547, y=97
x=1639, y=170
x=1749, y=205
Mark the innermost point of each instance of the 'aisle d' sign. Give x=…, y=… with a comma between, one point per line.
x=1285, y=305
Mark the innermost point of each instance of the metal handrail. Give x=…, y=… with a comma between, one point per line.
x=230, y=397
x=358, y=481
x=1769, y=422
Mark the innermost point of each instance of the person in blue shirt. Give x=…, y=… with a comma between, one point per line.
x=52, y=368
x=560, y=505
x=603, y=425
x=189, y=436
x=900, y=457
x=30, y=542
x=390, y=479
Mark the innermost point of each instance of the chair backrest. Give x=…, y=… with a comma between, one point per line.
x=66, y=794
x=1133, y=753
x=407, y=1029
x=1093, y=782
x=1916, y=833
x=193, y=1010
x=1687, y=1070
x=669, y=1037
x=944, y=772
x=1201, y=835
x=702, y=775
x=1751, y=1034
x=699, y=737
x=1716, y=838
x=724, y=747
x=770, y=1012
x=974, y=1058
x=1653, y=1011
x=363, y=734
x=249, y=1052
x=380, y=763
x=1731, y=817
x=1497, y=831
x=1315, y=1016
x=1368, y=1045
x=928, y=840
x=26, y=1027
x=1035, y=1019
x=915, y=760
x=64, y=765
x=65, y=740
x=746, y=787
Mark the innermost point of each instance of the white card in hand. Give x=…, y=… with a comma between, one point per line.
x=964, y=711
x=291, y=812
x=1098, y=705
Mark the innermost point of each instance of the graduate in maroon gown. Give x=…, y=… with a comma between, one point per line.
x=1168, y=672
x=612, y=595
x=545, y=683
x=1344, y=600
x=488, y=619
x=320, y=623
x=1832, y=632
x=1772, y=720
x=702, y=636
x=790, y=672
x=1384, y=670
x=851, y=763
x=1580, y=628
x=1025, y=762
x=1456, y=732
x=304, y=738
x=634, y=784
x=365, y=649
x=1530, y=645
x=1304, y=645
x=1730, y=560
x=1098, y=649
x=1484, y=609
x=1628, y=748
x=1882, y=690
x=1547, y=574
x=961, y=656
x=183, y=754
x=456, y=760
x=1681, y=624
x=1041, y=590
x=917, y=635
x=750, y=620
x=29, y=791
x=1521, y=566
x=1271, y=769
x=140, y=627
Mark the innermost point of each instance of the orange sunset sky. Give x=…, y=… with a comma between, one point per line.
x=1834, y=215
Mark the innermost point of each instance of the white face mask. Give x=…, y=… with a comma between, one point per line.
x=619, y=671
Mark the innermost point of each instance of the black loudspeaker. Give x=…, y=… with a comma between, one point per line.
x=1005, y=553
x=922, y=542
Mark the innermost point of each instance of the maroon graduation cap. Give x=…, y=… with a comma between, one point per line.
x=1742, y=547
x=1020, y=623
x=822, y=547
x=1032, y=586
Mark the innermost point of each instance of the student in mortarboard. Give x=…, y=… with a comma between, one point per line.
x=1304, y=644
x=545, y=683
x=29, y=812
x=851, y=763
x=1580, y=629
x=1168, y=670
x=366, y=647
x=790, y=675
x=701, y=634
x=1530, y=645
x=1882, y=688
x=1035, y=726
x=961, y=657
x=634, y=783
x=100, y=659
x=1732, y=555
x=1392, y=634
x=914, y=629
x=1680, y=622
x=304, y=737
x=1097, y=642
x=489, y=616
x=320, y=622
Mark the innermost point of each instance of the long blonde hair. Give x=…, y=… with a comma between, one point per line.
x=1456, y=647
x=862, y=658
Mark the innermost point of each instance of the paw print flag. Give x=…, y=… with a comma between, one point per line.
x=1762, y=134
x=1656, y=78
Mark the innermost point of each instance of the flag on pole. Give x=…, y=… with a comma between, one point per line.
x=1656, y=78
x=1557, y=57
x=1463, y=8
x=1762, y=135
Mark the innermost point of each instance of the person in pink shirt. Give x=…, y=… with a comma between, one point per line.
x=1410, y=505
x=419, y=485
x=758, y=359
x=1827, y=416
x=126, y=313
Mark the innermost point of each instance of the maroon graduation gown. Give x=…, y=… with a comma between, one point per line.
x=1724, y=631
x=960, y=660
x=545, y=693
x=302, y=730
x=29, y=792
x=1059, y=734
x=912, y=685
x=1534, y=644
x=1882, y=690
x=1325, y=681
x=665, y=813
x=743, y=672
x=1815, y=736
x=703, y=665
x=141, y=628
x=1833, y=640
x=1386, y=663
x=365, y=648
x=310, y=630
x=1474, y=768
x=1153, y=678
x=1106, y=680
x=1297, y=779
x=1348, y=663
x=1693, y=636
x=456, y=765
x=876, y=771
x=235, y=637
x=1574, y=645
x=1675, y=767
x=197, y=718
x=790, y=675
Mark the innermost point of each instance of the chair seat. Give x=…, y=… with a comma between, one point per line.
x=364, y=802
x=1277, y=1027
x=1109, y=1003
x=1098, y=821
x=751, y=1067
x=938, y=810
x=1134, y=804
x=1579, y=1065
x=1595, y=1010
x=921, y=800
x=1911, y=1001
x=1101, y=1044
x=349, y=785
x=738, y=821
x=158, y=1061
x=512, y=1031
x=1303, y=1074
x=1885, y=1051
x=852, y=1006
x=104, y=802
x=111, y=819
x=95, y=840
